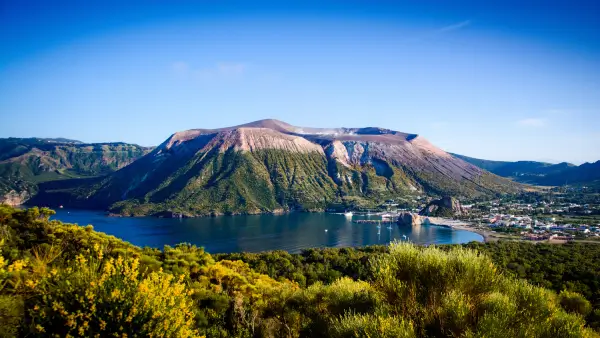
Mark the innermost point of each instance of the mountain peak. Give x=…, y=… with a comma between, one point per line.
x=317, y=135
x=267, y=123
x=372, y=134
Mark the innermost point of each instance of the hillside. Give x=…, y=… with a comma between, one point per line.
x=25, y=163
x=539, y=172
x=585, y=174
x=68, y=280
x=271, y=166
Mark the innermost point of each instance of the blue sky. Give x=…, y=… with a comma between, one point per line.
x=517, y=80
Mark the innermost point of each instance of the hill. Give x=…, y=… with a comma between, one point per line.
x=25, y=163
x=540, y=173
x=585, y=174
x=271, y=166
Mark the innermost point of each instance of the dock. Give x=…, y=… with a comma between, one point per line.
x=372, y=221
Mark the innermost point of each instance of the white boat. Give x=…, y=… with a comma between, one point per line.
x=348, y=214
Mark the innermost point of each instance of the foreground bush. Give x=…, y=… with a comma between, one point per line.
x=107, y=297
x=362, y=325
x=461, y=293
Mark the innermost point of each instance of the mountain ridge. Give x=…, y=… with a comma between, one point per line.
x=27, y=163
x=540, y=173
x=272, y=166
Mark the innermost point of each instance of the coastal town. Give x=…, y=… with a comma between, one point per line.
x=553, y=217
x=538, y=221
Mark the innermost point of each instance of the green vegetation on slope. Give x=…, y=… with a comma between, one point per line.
x=25, y=163
x=234, y=182
x=213, y=181
x=229, y=183
x=68, y=280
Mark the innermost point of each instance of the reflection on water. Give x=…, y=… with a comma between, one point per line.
x=291, y=232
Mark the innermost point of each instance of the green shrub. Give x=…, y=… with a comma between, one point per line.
x=323, y=304
x=459, y=292
x=365, y=325
x=574, y=303
x=11, y=314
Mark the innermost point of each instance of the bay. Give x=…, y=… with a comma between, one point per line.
x=291, y=232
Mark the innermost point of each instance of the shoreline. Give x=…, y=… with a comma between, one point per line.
x=488, y=235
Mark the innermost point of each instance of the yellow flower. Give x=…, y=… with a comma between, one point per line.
x=36, y=307
x=39, y=328
x=115, y=294
x=30, y=283
x=17, y=266
x=71, y=322
x=53, y=272
x=81, y=259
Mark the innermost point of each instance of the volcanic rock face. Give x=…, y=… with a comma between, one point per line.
x=444, y=207
x=14, y=198
x=269, y=165
x=409, y=219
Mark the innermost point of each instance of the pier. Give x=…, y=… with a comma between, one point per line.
x=372, y=221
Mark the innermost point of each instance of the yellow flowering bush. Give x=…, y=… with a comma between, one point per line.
x=11, y=273
x=3, y=262
x=251, y=303
x=11, y=306
x=101, y=297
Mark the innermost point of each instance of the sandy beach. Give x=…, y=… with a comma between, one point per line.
x=488, y=236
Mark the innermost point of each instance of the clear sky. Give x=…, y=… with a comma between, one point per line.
x=504, y=80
